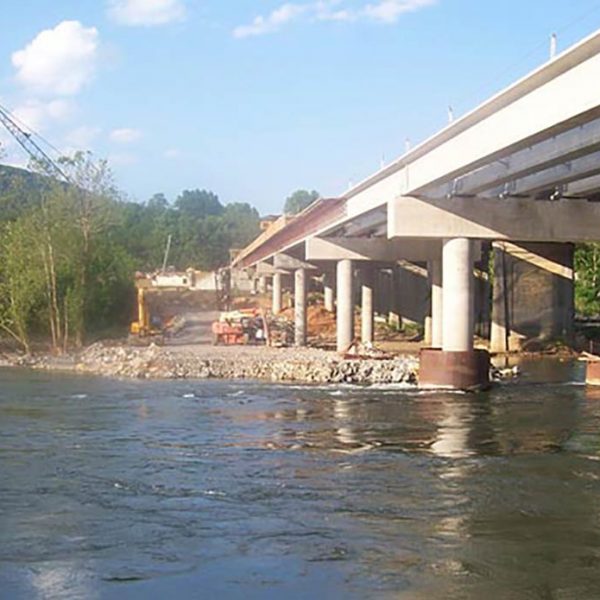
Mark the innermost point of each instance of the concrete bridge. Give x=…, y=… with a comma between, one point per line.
x=520, y=172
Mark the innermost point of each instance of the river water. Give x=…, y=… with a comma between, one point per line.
x=113, y=489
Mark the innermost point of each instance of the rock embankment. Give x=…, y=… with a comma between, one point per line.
x=240, y=362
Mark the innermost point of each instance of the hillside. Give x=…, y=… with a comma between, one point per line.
x=18, y=191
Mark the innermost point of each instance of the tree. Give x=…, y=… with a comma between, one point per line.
x=68, y=251
x=198, y=204
x=158, y=202
x=587, y=281
x=21, y=281
x=242, y=224
x=91, y=197
x=299, y=200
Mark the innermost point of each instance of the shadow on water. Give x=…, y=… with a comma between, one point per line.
x=112, y=489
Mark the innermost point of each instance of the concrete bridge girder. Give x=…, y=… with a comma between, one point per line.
x=291, y=263
x=558, y=150
x=549, y=179
x=494, y=219
x=264, y=268
x=380, y=249
x=550, y=101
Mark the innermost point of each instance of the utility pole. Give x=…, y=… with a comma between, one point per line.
x=167, y=249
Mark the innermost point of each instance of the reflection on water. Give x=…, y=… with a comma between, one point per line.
x=144, y=490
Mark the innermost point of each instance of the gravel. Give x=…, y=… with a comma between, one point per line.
x=305, y=365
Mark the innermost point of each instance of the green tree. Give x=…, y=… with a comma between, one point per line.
x=299, y=200
x=68, y=252
x=587, y=281
x=21, y=281
x=198, y=204
x=158, y=202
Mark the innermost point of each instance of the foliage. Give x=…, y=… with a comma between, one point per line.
x=299, y=200
x=68, y=253
x=587, y=279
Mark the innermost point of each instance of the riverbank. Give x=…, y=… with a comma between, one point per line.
x=300, y=365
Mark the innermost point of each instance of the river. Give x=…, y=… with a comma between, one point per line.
x=112, y=489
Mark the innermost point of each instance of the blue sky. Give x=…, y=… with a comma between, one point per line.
x=256, y=99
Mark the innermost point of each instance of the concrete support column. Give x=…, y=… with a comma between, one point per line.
x=300, y=293
x=367, y=312
x=457, y=365
x=262, y=284
x=427, y=331
x=394, y=314
x=345, y=305
x=457, y=303
x=328, y=297
x=276, y=307
x=435, y=273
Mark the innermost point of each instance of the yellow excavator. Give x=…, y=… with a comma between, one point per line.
x=146, y=325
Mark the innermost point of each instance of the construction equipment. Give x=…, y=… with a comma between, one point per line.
x=27, y=142
x=240, y=327
x=147, y=325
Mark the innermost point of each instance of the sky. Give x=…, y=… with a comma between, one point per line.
x=255, y=99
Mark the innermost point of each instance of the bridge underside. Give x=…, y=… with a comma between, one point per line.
x=521, y=171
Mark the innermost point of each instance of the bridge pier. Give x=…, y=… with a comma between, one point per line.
x=277, y=295
x=300, y=295
x=435, y=269
x=328, y=296
x=345, y=305
x=367, y=312
x=457, y=365
x=262, y=284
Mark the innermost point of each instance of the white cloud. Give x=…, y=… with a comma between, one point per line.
x=389, y=11
x=383, y=11
x=82, y=138
x=148, y=13
x=126, y=135
x=35, y=114
x=330, y=10
x=59, y=61
x=281, y=16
